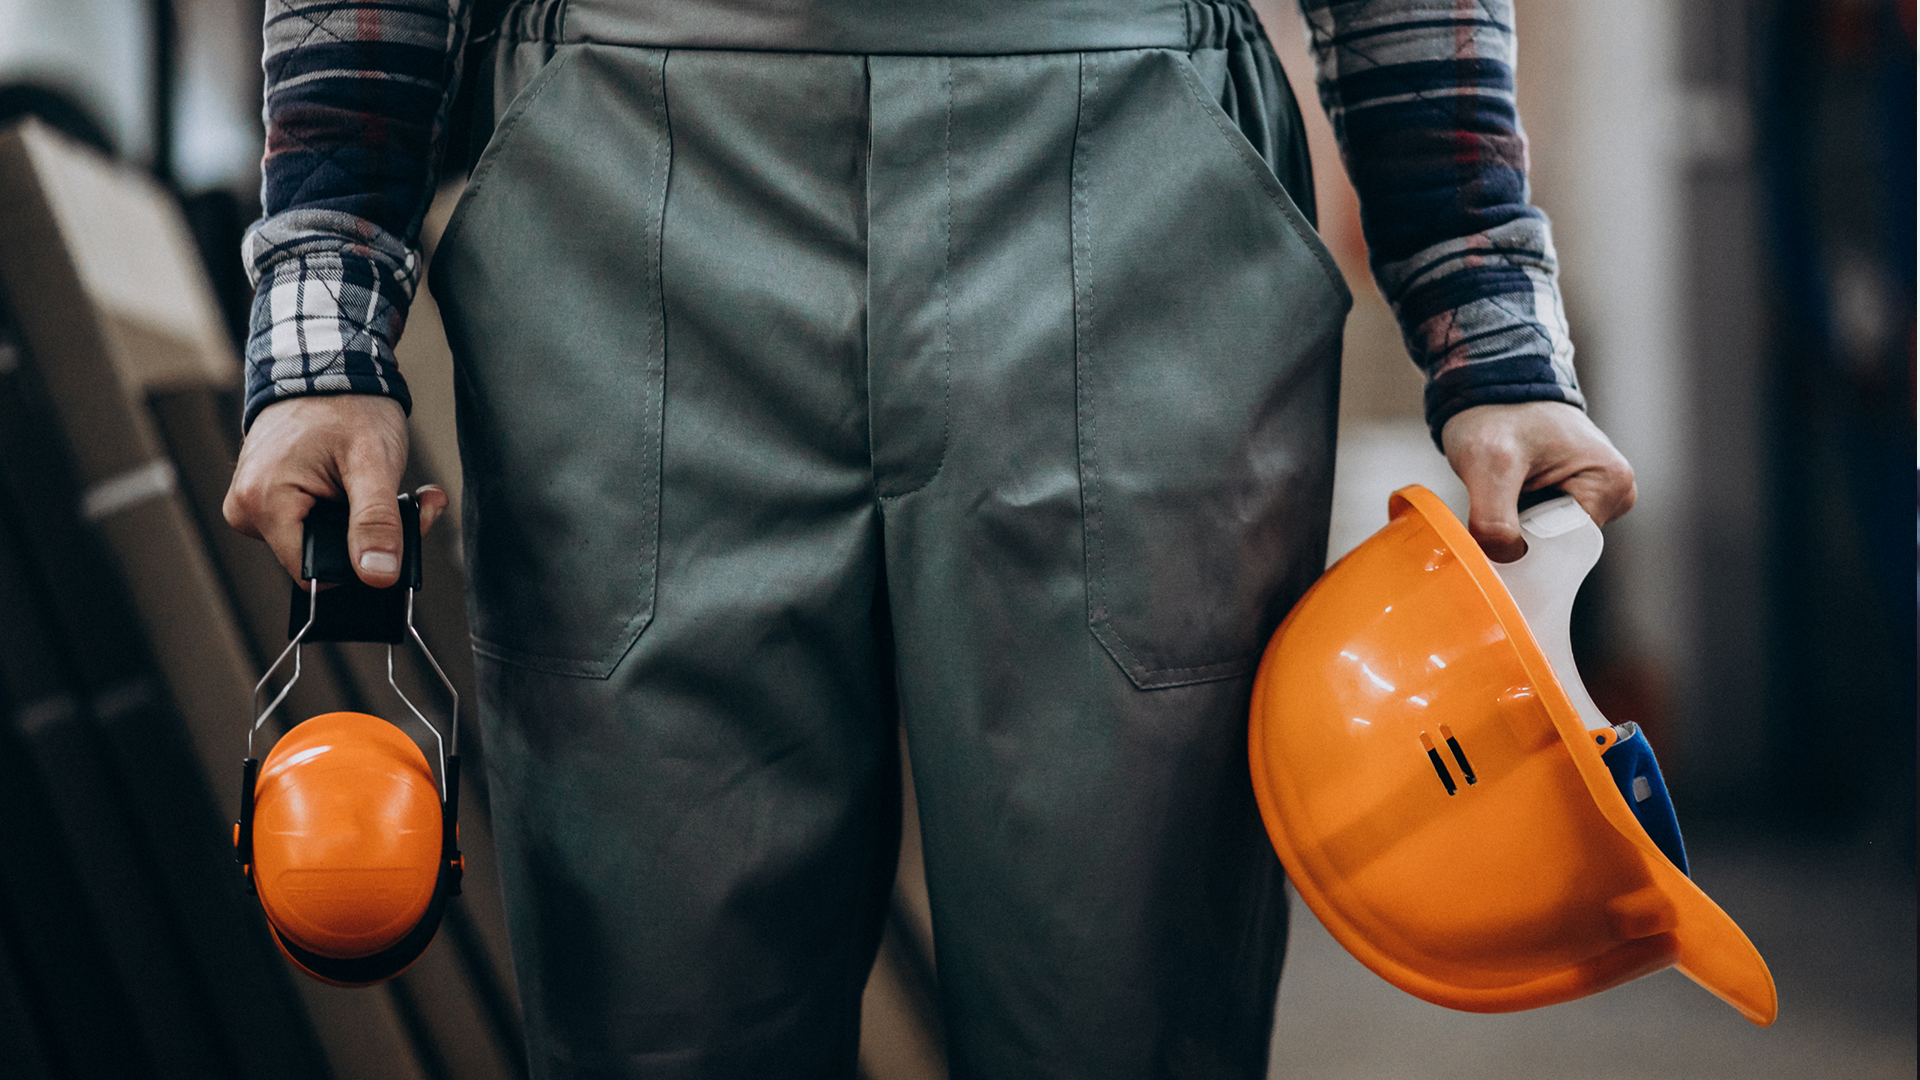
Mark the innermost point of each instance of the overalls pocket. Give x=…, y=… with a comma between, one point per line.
x=548, y=278
x=1208, y=318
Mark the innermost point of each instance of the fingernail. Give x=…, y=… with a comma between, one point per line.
x=379, y=562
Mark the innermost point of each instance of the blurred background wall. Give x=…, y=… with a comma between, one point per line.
x=1732, y=188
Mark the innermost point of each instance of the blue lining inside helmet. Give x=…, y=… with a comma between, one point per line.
x=1637, y=774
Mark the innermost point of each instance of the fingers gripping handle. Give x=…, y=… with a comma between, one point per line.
x=1563, y=544
x=352, y=610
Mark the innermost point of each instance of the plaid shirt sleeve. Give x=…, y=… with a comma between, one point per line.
x=357, y=98
x=1420, y=93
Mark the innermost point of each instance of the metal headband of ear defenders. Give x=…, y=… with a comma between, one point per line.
x=1447, y=797
x=350, y=610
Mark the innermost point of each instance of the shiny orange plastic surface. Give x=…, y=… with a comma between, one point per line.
x=346, y=835
x=1442, y=809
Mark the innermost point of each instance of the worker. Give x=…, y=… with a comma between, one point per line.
x=823, y=364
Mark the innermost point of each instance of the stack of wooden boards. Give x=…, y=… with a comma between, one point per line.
x=133, y=626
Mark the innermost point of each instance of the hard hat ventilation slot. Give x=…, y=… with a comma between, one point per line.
x=1459, y=755
x=1439, y=766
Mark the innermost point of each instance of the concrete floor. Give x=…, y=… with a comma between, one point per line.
x=1835, y=922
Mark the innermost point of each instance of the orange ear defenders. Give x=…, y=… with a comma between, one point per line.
x=1447, y=798
x=344, y=836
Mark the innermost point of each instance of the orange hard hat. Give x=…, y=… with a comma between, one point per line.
x=347, y=847
x=1445, y=795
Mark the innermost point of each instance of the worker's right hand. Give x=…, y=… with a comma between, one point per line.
x=304, y=449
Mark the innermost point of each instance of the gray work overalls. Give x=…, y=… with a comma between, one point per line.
x=827, y=362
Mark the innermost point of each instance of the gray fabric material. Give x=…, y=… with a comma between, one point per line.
x=991, y=392
x=953, y=27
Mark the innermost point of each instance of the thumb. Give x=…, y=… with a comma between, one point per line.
x=373, y=529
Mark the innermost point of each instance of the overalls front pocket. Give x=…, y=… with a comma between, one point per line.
x=1208, y=318
x=549, y=281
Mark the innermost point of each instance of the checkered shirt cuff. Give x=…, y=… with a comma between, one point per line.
x=1482, y=317
x=327, y=309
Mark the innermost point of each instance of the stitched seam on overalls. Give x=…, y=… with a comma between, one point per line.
x=946, y=294
x=1092, y=549
x=658, y=177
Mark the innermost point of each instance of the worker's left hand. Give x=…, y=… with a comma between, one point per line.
x=1503, y=450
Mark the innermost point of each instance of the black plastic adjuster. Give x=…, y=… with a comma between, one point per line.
x=352, y=610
